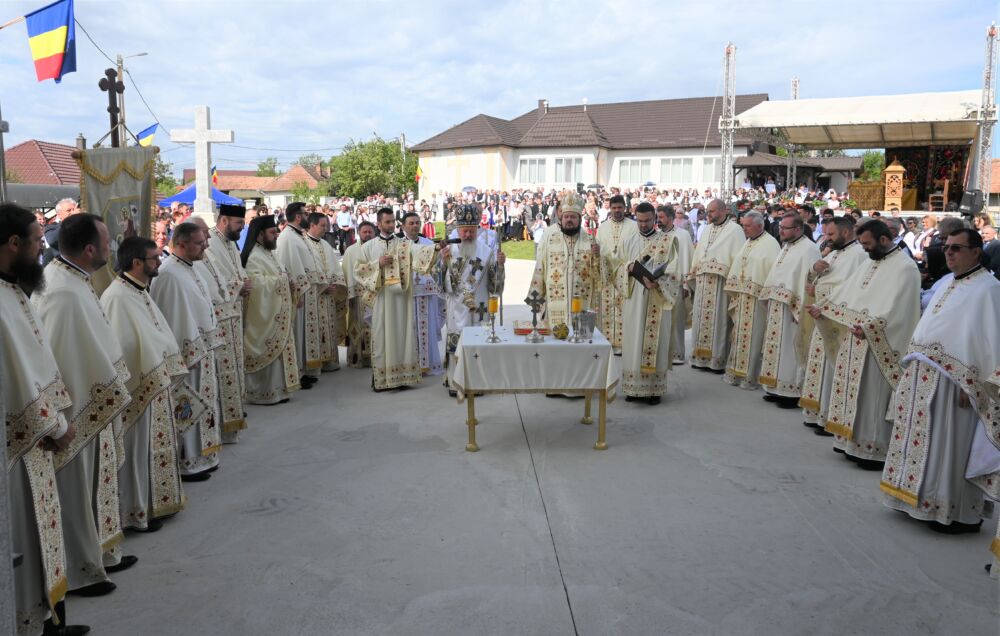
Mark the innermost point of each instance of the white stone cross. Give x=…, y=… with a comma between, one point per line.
x=203, y=137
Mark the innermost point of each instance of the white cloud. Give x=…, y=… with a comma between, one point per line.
x=304, y=74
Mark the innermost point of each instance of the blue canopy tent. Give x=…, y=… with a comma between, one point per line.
x=188, y=196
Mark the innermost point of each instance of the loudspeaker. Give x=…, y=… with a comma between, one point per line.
x=972, y=203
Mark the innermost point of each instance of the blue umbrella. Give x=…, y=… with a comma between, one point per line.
x=649, y=184
x=188, y=196
x=468, y=189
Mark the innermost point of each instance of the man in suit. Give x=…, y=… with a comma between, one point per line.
x=64, y=209
x=991, y=249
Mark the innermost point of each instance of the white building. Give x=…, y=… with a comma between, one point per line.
x=672, y=143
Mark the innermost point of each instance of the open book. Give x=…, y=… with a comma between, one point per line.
x=640, y=271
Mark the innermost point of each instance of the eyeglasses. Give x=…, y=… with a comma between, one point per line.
x=955, y=247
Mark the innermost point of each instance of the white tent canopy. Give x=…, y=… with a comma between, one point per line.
x=881, y=121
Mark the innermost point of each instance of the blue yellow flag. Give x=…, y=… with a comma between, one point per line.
x=52, y=38
x=145, y=138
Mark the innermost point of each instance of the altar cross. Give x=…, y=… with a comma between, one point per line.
x=535, y=301
x=202, y=136
x=481, y=310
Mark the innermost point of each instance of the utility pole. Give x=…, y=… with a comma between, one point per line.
x=4, y=128
x=123, y=133
x=402, y=146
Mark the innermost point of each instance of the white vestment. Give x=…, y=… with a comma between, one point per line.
x=784, y=352
x=882, y=298
x=681, y=313
x=34, y=400
x=428, y=319
x=393, y=343
x=565, y=268
x=747, y=312
x=713, y=256
x=307, y=283
x=268, y=339
x=611, y=236
x=359, y=308
x=222, y=260
x=328, y=260
x=647, y=315
x=468, y=282
x=929, y=451
x=92, y=365
x=818, y=376
x=186, y=303
x=149, y=480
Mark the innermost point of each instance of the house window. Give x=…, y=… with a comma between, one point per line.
x=711, y=170
x=676, y=172
x=569, y=170
x=633, y=171
x=531, y=171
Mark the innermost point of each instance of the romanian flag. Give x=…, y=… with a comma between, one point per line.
x=52, y=38
x=145, y=138
x=215, y=176
x=420, y=174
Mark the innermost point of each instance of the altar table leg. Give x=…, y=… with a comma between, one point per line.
x=470, y=399
x=602, y=417
x=587, y=419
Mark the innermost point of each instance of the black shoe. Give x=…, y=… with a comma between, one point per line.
x=869, y=464
x=716, y=371
x=196, y=477
x=787, y=403
x=811, y=425
x=305, y=386
x=841, y=451
x=101, y=588
x=557, y=395
x=285, y=401
x=127, y=561
x=452, y=393
x=152, y=526
x=64, y=630
x=653, y=400
x=768, y=397
x=956, y=528
x=822, y=432
x=630, y=398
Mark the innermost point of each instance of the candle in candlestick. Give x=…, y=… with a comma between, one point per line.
x=494, y=304
x=577, y=304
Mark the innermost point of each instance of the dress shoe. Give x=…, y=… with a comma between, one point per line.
x=822, y=432
x=956, y=527
x=787, y=403
x=152, y=526
x=869, y=464
x=196, y=477
x=810, y=425
x=100, y=588
x=64, y=630
x=630, y=398
x=653, y=400
x=839, y=450
x=768, y=397
x=285, y=401
x=452, y=393
x=127, y=561
x=213, y=469
x=716, y=371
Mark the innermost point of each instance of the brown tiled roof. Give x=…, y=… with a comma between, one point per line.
x=43, y=163
x=663, y=123
x=188, y=175
x=295, y=174
x=241, y=182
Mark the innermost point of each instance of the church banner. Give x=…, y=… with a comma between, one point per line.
x=117, y=184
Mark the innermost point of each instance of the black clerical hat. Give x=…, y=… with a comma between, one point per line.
x=232, y=210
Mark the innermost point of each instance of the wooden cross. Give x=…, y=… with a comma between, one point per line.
x=202, y=136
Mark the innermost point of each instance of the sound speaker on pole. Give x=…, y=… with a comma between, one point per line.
x=972, y=203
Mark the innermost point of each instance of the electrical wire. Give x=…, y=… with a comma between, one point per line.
x=92, y=41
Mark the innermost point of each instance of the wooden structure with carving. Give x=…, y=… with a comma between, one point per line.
x=868, y=195
x=892, y=176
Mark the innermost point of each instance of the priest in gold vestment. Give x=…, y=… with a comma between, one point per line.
x=335, y=289
x=268, y=338
x=665, y=215
x=385, y=268
x=647, y=324
x=714, y=254
x=149, y=479
x=611, y=236
x=359, y=303
x=93, y=367
x=746, y=309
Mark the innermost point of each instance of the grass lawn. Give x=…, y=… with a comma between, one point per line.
x=524, y=250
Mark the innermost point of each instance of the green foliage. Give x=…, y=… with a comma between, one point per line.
x=302, y=192
x=312, y=159
x=268, y=167
x=11, y=176
x=166, y=182
x=369, y=167
x=873, y=163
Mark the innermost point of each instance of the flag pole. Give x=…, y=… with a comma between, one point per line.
x=11, y=22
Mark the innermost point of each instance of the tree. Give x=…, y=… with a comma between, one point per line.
x=302, y=192
x=12, y=176
x=166, y=182
x=268, y=167
x=364, y=168
x=873, y=162
x=312, y=159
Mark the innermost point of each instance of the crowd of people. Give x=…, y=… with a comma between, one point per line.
x=127, y=390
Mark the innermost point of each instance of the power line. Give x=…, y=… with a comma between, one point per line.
x=144, y=102
x=92, y=41
x=286, y=149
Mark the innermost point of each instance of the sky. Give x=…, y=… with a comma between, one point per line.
x=292, y=77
